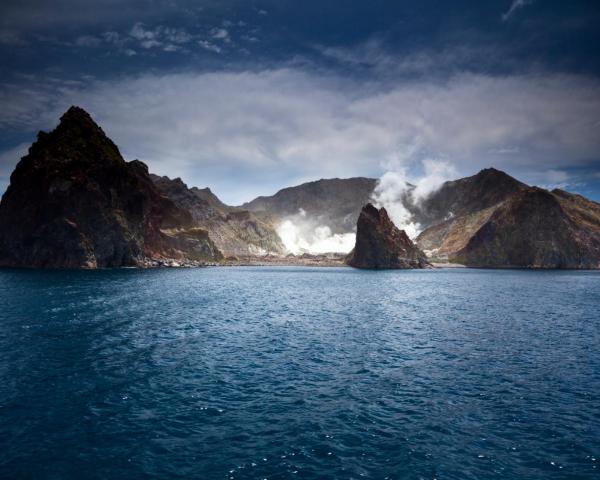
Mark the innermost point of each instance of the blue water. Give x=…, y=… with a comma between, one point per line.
x=253, y=373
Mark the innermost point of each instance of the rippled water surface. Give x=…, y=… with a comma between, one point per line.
x=253, y=373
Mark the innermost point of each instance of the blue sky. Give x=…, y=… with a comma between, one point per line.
x=251, y=96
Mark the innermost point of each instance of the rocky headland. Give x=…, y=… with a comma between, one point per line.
x=74, y=202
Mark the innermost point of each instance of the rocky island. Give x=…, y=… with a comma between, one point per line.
x=74, y=202
x=381, y=245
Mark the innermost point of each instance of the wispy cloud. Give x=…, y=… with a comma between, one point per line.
x=515, y=5
x=211, y=47
x=167, y=38
x=87, y=41
x=220, y=34
x=159, y=37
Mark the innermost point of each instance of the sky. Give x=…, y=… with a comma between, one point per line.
x=248, y=97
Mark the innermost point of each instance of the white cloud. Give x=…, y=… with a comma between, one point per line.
x=220, y=34
x=516, y=5
x=246, y=133
x=211, y=47
x=167, y=38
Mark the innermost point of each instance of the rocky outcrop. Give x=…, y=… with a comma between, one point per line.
x=535, y=228
x=73, y=202
x=236, y=232
x=380, y=244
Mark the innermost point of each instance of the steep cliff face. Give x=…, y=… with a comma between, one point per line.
x=380, y=244
x=235, y=231
x=73, y=202
x=536, y=229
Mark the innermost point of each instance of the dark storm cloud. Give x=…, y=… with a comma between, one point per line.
x=251, y=96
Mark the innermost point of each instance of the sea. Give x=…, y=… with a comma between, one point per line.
x=299, y=373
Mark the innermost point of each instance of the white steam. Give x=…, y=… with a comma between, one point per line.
x=301, y=237
x=393, y=193
x=398, y=193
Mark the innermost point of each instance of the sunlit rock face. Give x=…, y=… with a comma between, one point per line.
x=499, y=222
x=537, y=229
x=235, y=231
x=74, y=202
x=381, y=245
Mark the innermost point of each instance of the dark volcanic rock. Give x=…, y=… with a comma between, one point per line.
x=73, y=202
x=380, y=244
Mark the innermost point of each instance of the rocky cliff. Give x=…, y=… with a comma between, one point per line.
x=513, y=225
x=73, y=202
x=536, y=228
x=380, y=244
x=235, y=231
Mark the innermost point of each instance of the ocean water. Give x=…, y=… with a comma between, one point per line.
x=312, y=373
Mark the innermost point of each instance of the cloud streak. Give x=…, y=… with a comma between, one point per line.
x=516, y=5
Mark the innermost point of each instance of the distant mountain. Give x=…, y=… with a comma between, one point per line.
x=489, y=219
x=500, y=222
x=464, y=196
x=337, y=202
x=235, y=231
x=73, y=202
x=333, y=202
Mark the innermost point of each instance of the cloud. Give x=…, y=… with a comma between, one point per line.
x=245, y=133
x=516, y=5
x=87, y=41
x=211, y=47
x=169, y=39
x=11, y=38
x=220, y=34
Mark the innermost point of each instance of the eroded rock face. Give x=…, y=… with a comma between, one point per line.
x=73, y=202
x=536, y=228
x=380, y=244
x=235, y=231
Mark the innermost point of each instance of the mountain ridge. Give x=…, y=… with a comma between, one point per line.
x=74, y=202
